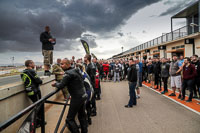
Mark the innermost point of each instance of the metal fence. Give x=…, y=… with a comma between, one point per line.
x=174, y=35
x=33, y=108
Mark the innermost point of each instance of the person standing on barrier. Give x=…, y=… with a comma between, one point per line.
x=58, y=71
x=31, y=83
x=74, y=82
x=91, y=71
x=48, y=43
x=132, y=78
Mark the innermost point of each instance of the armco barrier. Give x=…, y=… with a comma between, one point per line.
x=13, y=99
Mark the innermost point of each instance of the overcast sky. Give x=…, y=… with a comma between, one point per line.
x=108, y=25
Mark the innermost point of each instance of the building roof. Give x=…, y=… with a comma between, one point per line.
x=188, y=11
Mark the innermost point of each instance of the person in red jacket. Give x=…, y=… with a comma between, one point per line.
x=106, y=70
x=189, y=73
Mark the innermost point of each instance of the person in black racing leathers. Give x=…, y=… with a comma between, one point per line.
x=75, y=84
x=31, y=84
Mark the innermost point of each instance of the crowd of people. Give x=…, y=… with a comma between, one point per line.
x=80, y=79
x=184, y=74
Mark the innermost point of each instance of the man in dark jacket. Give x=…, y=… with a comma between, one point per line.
x=165, y=74
x=97, y=79
x=48, y=43
x=74, y=82
x=156, y=71
x=196, y=63
x=91, y=71
x=31, y=83
x=189, y=74
x=132, y=78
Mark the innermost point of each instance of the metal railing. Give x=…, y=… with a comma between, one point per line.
x=174, y=35
x=33, y=107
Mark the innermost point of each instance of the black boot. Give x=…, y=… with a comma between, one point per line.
x=72, y=126
x=89, y=121
x=93, y=113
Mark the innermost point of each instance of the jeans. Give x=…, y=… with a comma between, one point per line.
x=116, y=76
x=77, y=105
x=165, y=81
x=188, y=84
x=132, y=100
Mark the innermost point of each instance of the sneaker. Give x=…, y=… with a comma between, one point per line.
x=182, y=99
x=163, y=92
x=179, y=96
x=172, y=94
x=198, y=103
x=195, y=96
x=128, y=106
x=189, y=101
x=137, y=97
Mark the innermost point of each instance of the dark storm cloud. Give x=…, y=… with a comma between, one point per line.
x=176, y=6
x=22, y=21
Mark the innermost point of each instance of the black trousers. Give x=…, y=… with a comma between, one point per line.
x=93, y=100
x=190, y=85
x=34, y=98
x=196, y=86
x=88, y=109
x=93, y=103
x=157, y=80
x=165, y=81
x=77, y=106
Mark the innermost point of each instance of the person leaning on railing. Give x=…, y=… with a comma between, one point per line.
x=74, y=82
x=31, y=83
x=58, y=72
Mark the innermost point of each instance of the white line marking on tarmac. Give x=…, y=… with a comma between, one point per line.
x=174, y=101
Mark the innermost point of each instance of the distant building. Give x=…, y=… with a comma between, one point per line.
x=183, y=41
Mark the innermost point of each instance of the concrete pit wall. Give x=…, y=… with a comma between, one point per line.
x=13, y=99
